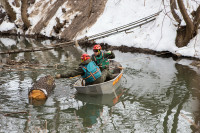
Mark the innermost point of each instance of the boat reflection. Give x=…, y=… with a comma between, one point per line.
x=89, y=113
x=106, y=99
x=93, y=105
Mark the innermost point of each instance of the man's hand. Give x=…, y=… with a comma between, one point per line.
x=57, y=76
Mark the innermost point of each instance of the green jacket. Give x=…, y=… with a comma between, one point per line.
x=102, y=59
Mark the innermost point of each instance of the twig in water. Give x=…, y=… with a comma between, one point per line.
x=45, y=126
x=191, y=122
x=195, y=46
x=10, y=113
x=79, y=125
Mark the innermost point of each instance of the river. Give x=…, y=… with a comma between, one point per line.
x=157, y=94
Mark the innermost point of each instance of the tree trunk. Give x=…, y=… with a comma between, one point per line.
x=197, y=19
x=24, y=14
x=184, y=33
x=17, y=3
x=90, y=8
x=173, y=7
x=2, y=15
x=9, y=10
x=42, y=88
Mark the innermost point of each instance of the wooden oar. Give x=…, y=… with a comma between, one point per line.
x=121, y=67
x=74, y=76
x=117, y=67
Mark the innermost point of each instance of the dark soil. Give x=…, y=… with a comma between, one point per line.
x=90, y=12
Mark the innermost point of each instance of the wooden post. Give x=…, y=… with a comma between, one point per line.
x=41, y=89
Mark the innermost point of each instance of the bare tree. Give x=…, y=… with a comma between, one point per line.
x=24, y=14
x=17, y=3
x=9, y=10
x=190, y=30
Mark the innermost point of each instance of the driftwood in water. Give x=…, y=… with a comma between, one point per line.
x=42, y=88
x=27, y=50
x=23, y=65
x=47, y=47
x=39, y=48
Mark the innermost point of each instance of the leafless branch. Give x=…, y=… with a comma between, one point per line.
x=166, y=13
x=173, y=7
x=161, y=30
x=197, y=2
x=196, y=52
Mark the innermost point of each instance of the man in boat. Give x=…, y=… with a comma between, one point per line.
x=89, y=71
x=101, y=59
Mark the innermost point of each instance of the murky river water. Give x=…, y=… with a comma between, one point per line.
x=157, y=94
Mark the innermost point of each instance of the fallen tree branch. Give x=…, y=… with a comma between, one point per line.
x=28, y=67
x=38, y=48
x=190, y=121
x=11, y=113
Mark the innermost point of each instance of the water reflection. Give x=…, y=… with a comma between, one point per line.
x=161, y=96
x=36, y=102
x=89, y=113
x=92, y=108
x=190, y=79
x=107, y=99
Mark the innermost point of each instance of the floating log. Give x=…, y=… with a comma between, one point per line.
x=41, y=89
x=44, y=48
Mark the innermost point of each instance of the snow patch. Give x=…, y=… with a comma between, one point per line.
x=6, y=26
x=8, y=42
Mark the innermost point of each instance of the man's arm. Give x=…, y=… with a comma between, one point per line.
x=73, y=73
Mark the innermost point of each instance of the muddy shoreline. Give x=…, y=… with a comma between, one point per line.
x=125, y=49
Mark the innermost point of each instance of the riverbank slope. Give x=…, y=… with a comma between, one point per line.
x=71, y=20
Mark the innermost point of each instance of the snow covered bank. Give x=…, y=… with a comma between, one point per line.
x=158, y=35
x=76, y=19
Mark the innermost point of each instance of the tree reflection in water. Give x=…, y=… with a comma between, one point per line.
x=163, y=95
x=89, y=113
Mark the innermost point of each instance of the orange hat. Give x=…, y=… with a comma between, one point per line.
x=85, y=57
x=97, y=47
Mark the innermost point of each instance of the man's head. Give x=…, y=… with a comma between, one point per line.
x=97, y=49
x=85, y=57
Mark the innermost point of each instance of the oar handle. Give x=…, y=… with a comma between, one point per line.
x=121, y=67
x=74, y=76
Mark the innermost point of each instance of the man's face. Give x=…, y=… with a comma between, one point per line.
x=96, y=52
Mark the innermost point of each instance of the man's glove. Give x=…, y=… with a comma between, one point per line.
x=108, y=52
